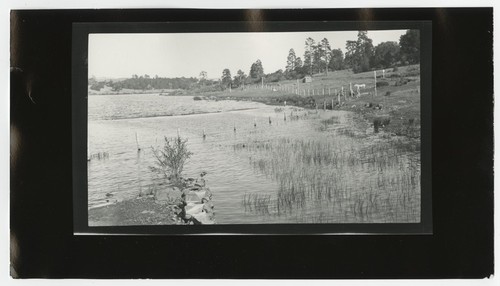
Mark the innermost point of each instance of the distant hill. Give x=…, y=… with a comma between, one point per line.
x=109, y=79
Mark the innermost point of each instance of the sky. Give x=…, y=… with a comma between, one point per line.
x=187, y=54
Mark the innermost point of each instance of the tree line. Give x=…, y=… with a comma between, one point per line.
x=319, y=57
x=144, y=82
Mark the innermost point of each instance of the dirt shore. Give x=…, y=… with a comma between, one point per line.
x=138, y=211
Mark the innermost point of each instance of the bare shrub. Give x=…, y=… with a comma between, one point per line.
x=171, y=158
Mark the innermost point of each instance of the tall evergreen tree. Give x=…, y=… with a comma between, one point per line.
x=317, y=61
x=309, y=54
x=350, y=54
x=290, y=62
x=325, y=54
x=360, y=53
x=226, y=78
x=298, y=63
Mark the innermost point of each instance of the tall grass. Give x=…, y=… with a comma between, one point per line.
x=368, y=182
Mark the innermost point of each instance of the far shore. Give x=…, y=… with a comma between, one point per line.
x=396, y=107
x=109, y=91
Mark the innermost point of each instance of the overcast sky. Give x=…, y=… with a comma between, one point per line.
x=187, y=54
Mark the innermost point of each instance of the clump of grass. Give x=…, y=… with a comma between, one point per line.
x=257, y=203
x=150, y=191
x=409, y=128
x=99, y=156
x=331, y=120
x=279, y=109
x=401, y=81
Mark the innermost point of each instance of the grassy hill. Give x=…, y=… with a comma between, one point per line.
x=397, y=98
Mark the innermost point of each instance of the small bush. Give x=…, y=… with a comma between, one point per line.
x=380, y=122
x=413, y=73
x=382, y=83
x=97, y=86
x=395, y=69
x=197, y=98
x=387, y=93
x=401, y=81
x=171, y=159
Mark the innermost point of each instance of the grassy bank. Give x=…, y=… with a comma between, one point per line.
x=395, y=106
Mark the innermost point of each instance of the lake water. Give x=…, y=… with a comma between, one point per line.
x=235, y=165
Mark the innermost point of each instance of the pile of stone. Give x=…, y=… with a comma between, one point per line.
x=190, y=199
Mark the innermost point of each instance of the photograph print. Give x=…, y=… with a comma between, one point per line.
x=254, y=128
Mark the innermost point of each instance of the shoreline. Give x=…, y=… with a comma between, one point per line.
x=399, y=122
x=178, y=115
x=185, y=202
x=134, y=211
x=395, y=109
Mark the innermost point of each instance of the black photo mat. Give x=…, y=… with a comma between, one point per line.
x=48, y=198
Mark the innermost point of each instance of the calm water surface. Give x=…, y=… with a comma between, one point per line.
x=115, y=121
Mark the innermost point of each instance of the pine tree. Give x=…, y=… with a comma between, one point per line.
x=326, y=53
x=290, y=63
x=309, y=54
x=226, y=78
